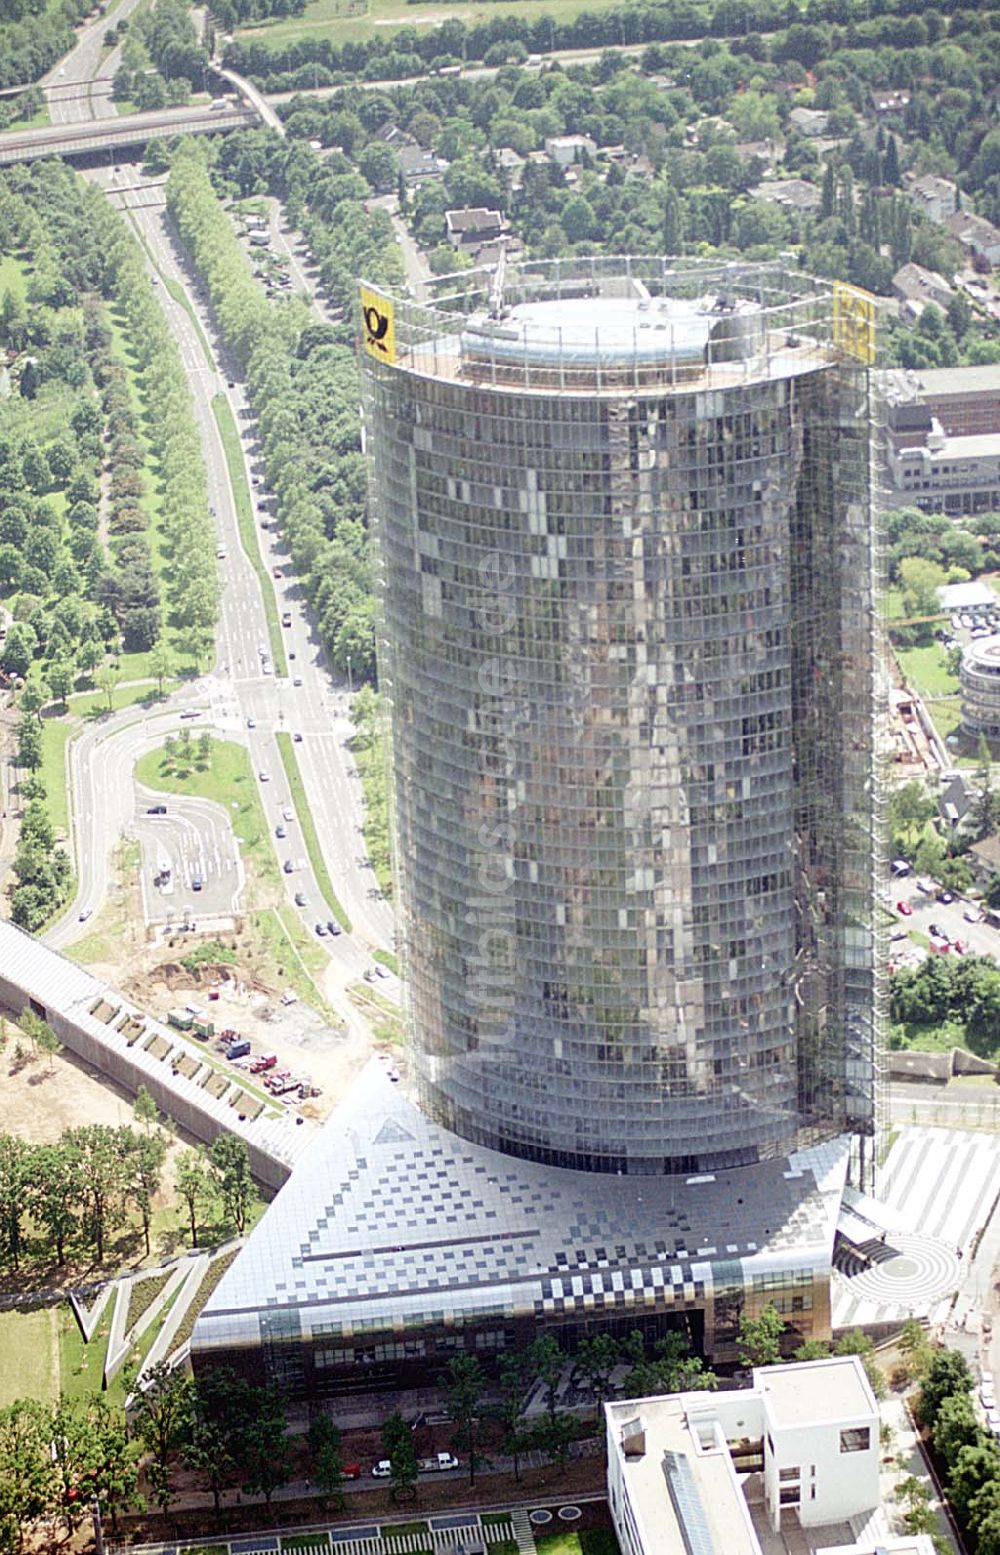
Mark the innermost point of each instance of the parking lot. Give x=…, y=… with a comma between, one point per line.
x=979, y=939
x=190, y=865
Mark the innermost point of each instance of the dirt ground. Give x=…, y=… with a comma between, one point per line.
x=43, y=1097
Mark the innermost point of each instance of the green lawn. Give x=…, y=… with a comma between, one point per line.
x=296, y=960
x=358, y=19
x=387, y=959
x=592, y=1541
x=308, y=827
x=13, y=275
x=248, y=534
x=37, y=121
x=56, y=735
x=28, y=1350
x=228, y=778
x=925, y=671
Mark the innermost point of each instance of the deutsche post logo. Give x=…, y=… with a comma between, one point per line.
x=854, y=322
x=378, y=326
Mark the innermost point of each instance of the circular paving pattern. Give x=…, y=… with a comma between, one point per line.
x=907, y=1270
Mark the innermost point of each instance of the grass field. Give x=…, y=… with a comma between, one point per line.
x=309, y=833
x=28, y=1350
x=591, y=1541
x=244, y=516
x=926, y=671
x=343, y=20
x=227, y=778
x=56, y=735
x=291, y=958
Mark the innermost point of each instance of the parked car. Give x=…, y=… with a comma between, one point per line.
x=333, y=927
x=321, y=930
x=300, y=898
x=382, y=1469
x=947, y=897
x=904, y=909
x=972, y=915
x=960, y=946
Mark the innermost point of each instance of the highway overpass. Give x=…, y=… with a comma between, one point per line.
x=97, y=139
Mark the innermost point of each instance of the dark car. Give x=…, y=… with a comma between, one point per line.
x=321, y=930
x=332, y=927
x=157, y=809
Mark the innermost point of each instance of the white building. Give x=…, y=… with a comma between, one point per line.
x=564, y=150
x=947, y=474
x=936, y=198
x=808, y=1433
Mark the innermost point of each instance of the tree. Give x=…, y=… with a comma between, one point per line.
x=110, y=1460
x=232, y=1166
x=956, y=1427
x=326, y=1446
x=60, y=680
x=144, y=1110
x=162, y=663
x=548, y=1364
x=109, y=678
x=54, y=1197
x=29, y=744
x=15, y=1180
x=760, y=1337
x=595, y=1361
x=48, y=1043
x=100, y=1179
x=947, y=1373
x=554, y=1437
x=194, y=1186
x=264, y=1450
x=146, y=1162
x=397, y=1444
x=671, y=1369
x=221, y=1408
x=915, y=1348
x=162, y=1412
x=30, y=379
x=466, y=1386
x=515, y=1372
x=27, y=1480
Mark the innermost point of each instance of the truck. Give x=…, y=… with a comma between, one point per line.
x=439, y=1464
x=182, y=1019
x=239, y=1049
x=204, y=1028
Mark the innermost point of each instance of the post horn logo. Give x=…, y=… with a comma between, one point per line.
x=379, y=326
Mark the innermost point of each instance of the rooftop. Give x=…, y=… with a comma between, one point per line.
x=392, y=1220
x=713, y=1502
x=816, y=1392
x=591, y=325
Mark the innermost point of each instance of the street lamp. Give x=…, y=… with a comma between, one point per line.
x=350, y=683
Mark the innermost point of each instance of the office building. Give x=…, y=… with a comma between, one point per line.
x=628, y=641
x=796, y=1454
x=629, y=644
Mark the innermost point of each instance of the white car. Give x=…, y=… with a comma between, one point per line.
x=287, y=813
x=264, y=777
x=972, y=915
x=382, y=1469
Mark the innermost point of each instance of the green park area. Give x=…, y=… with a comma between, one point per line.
x=356, y=20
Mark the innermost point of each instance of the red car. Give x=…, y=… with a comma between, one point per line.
x=904, y=909
x=940, y=947
x=959, y=946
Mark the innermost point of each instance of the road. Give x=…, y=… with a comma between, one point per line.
x=239, y=699
x=83, y=66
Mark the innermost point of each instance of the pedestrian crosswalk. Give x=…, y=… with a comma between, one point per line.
x=942, y=1184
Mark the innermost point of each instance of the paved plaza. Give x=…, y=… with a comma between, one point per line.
x=940, y=1186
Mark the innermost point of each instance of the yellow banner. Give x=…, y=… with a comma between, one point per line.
x=378, y=326
x=854, y=322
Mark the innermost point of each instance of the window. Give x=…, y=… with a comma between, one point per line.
x=857, y=1438
x=788, y=1474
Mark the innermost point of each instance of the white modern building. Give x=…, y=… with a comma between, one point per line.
x=798, y=1450
x=947, y=474
x=564, y=150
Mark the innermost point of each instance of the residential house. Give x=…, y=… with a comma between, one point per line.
x=936, y=198
x=417, y=165
x=916, y=287
x=976, y=235
x=793, y=194
x=888, y=101
x=472, y=227
x=511, y=163
x=564, y=150
x=808, y=121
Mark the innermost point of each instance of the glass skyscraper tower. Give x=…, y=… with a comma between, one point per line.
x=628, y=641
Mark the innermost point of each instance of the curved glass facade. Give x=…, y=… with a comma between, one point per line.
x=626, y=559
